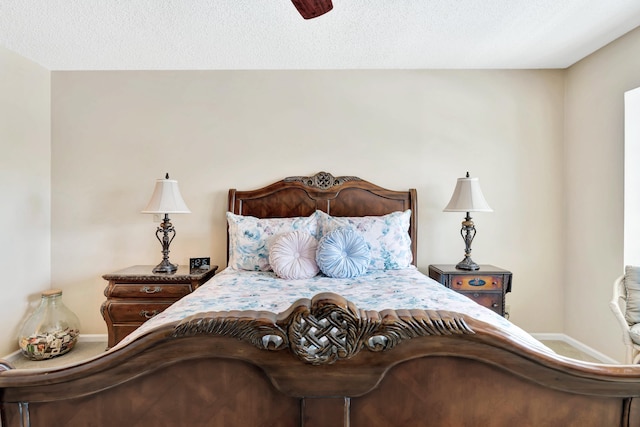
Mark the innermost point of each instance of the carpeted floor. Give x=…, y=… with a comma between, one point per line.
x=566, y=349
x=82, y=351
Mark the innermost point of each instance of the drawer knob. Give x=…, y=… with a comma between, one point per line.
x=149, y=290
x=494, y=305
x=148, y=314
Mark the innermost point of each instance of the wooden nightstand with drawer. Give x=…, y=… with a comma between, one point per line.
x=136, y=294
x=486, y=286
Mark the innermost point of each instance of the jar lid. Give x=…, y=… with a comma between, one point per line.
x=52, y=293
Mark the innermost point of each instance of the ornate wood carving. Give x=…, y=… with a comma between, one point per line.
x=326, y=328
x=322, y=180
x=5, y=365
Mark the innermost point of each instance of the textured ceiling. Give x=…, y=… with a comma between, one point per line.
x=270, y=34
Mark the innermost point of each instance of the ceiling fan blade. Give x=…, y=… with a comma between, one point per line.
x=312, y=8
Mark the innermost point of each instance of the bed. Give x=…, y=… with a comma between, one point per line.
x=331, y=358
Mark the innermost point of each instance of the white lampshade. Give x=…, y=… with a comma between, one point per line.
x=166, y=198
x=467, y=197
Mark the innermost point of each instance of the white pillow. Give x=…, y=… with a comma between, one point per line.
x=293, y=255
x=249, y=238
x=387, y=236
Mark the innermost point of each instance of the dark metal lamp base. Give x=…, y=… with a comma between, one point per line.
x=467, y=264
x=167, y=232
x=165, y=267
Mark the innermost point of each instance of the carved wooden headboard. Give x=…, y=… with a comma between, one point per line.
x=337, y=196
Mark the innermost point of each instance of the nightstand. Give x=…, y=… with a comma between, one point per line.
x=486, y=286
x=136, y=294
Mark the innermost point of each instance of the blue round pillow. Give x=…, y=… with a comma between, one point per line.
x=343, y=253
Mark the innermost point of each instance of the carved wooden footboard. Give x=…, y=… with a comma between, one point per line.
x=324, y=362
x=326, y=328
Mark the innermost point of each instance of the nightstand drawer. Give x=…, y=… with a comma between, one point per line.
x=120, y=331
x=151, y=290
x=490, y=300
x=476, y=282
x=134, y=312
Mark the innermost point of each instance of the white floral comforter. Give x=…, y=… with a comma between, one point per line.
x=377, y=290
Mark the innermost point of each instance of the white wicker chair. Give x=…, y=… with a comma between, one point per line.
x=618, y=306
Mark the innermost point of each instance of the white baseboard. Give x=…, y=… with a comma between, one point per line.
x=577, y=344
x=93, y=337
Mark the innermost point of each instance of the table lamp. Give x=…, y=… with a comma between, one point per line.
x=467, y=197
x=166, y=199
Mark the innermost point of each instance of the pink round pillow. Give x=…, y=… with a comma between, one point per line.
x=293, y=255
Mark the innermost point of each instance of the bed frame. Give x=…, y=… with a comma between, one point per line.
x=323, y=362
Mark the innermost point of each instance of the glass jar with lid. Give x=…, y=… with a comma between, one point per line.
x=51, y=330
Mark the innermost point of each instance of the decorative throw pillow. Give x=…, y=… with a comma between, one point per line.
x=343, y=253
x=634, y=333
x=387, y=237
x=632, y=286
x=293, y=255
x=249, y=238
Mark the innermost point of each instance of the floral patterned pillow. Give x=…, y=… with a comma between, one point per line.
x=387, y=236
x=249, y=238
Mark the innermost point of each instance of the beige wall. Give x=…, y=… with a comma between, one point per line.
x=593, y=177
x=114, y=133
x=25, y=169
